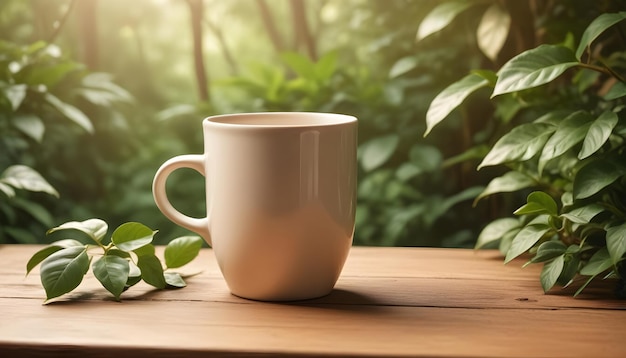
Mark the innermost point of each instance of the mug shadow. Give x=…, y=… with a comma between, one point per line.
x=342, y=301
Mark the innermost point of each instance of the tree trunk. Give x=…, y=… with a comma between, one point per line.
x=302, y=32
x=196, y=9
x=223, y=46
x=270, y=26
x=88, y=29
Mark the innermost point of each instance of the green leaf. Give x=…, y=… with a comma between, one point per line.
x=182, y=250
x=506, y=241
x=99, y=89
x=538, y=202
x=174, y=280
x=548, y=251
x=595, y=176
x=31, y=125
x=176, y=112
x=488, y=75
x=465, y=194
x=7, y=190
x=525, y=239
x=402, y=66
x=495, y=230
x=584, y=214
x=112, y=272
x=118, y=253
x=598, y=263
x=493, y=30
x=597, y=27
x=584, y=285
x=551, y=272
x=572, y=249
x=15, y=94
x=50, y=74
x=570, y=131
x=94, y=228
x=618, y=90
x=569, y=270
x=300, y=64
x=509, y=182
x=473, y=153
x=534, y=68
x=49, y=250
x=440, y=17
x=145, y=250
x=131, y=236
x=616, y=242
x=326, y=66
x=521, y=143
x=554, y=117
x=427, y=158
x=104, y=83
x=598, y=134
x=407, y=171
x=70, y=112
x=64, y=270
x=377, y=151
x=567, y=199
x=134, y=275
x=34, y=209
x=26, y=178
x=151, y=271
x=98, y=97
x=450, y=98
x=40, y=256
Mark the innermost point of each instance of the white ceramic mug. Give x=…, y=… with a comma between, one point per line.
x=281, y=200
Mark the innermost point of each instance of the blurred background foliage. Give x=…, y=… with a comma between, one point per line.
x=95, y=95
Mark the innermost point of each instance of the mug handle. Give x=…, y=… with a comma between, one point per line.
x=192, y=161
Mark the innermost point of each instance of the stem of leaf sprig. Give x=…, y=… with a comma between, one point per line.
x=606, y=70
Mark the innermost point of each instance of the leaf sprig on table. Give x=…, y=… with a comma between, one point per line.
x=119, y=263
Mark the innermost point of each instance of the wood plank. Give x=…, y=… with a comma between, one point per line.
x=310, y=329
x=388, y=302
x=418, y=292
x=459, y=278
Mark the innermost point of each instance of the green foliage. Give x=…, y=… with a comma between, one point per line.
x=406, y=194
x=571, y=152
x=534, y=68
x=440, y=17
x=451, y=98
x=128, y=258
x=26, y=178
x=43, y=101
x=136, y=93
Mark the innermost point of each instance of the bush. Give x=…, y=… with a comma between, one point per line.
x=559, y=114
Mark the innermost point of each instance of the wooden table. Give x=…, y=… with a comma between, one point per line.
x=388, y=302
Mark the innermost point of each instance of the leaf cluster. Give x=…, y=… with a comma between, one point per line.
x=128, y=258
x=44, y=98
x=572, y=155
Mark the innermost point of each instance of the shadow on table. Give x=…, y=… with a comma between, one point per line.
x=342, y=300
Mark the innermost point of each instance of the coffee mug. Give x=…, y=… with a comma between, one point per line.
x=280, y=198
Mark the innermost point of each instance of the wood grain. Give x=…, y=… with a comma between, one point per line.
x=388, y=302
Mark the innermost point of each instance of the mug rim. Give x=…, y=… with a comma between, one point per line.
x=313, y=119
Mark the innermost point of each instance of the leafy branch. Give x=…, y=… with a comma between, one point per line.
x=578, y=225
x=123, y=262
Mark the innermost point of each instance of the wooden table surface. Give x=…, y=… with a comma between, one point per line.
x=388, y=302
